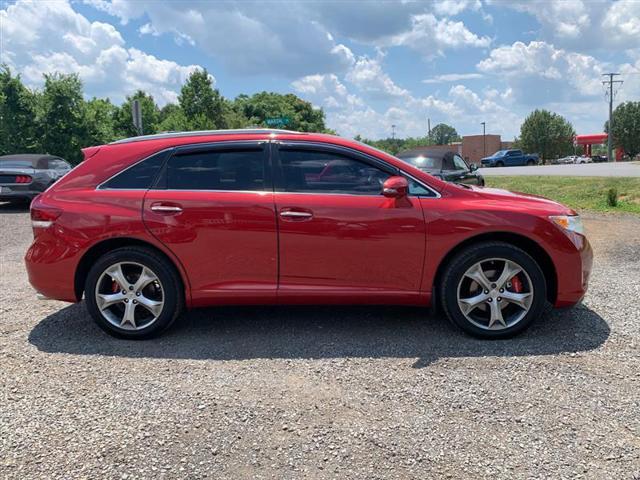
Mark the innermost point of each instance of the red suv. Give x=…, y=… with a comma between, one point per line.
x=147, y=226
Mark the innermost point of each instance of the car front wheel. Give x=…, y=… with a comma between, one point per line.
x=493, y=290
x=133, y=293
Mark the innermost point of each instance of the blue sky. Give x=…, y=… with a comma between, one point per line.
x=367, y=64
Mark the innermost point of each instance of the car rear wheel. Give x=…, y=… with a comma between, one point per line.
x=133, y=293
x=493, y=290
x=499, y=164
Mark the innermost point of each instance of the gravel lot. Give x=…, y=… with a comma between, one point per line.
x=323, y=392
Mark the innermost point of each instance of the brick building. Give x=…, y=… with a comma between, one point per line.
x=472, y=147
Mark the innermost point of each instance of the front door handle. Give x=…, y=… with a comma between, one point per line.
x=294, y=214
x=166, y=208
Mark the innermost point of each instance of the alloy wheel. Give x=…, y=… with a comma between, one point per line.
x=129, y=295
x=495, y=294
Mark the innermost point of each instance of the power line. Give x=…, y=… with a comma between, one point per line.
x=610, y=83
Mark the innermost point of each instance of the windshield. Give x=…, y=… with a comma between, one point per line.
x=422, y=161
x=500, y=153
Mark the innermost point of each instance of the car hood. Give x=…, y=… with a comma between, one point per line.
x=524, y=200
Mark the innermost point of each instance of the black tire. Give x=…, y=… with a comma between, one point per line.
x=530, y=163
x=500, y=164
x=171, y=285
x=464, y=260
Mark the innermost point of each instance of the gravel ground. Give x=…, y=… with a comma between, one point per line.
x=323, y=392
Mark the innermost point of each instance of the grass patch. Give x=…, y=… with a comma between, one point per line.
x=580, y=193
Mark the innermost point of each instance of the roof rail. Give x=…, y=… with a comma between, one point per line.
x=204, y=133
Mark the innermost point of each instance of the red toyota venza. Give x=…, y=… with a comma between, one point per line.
x=147, y=226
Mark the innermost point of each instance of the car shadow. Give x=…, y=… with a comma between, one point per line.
x=14, y=207
x=239, y=333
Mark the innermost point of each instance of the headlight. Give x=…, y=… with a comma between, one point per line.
x=571, y=223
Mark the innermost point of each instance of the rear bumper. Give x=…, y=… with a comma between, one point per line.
x=17, y=192
x=51, y=266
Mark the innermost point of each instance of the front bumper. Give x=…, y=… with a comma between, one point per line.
x=573, y=282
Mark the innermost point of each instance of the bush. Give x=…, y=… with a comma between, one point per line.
x=612, y=197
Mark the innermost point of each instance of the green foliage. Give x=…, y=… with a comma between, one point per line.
x=268, y=105
x=396, y=145
x=17, y=115
x=60, y=121
x=201, y=104
x=123, y=120
x=548, y=134
x=99, y=121
x=581, y=193
x=626, y=127
x=61, y=126
x=443, y=134
x=612, y=197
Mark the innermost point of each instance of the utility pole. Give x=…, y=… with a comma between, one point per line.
x=429, y=127
x=136, y=114
x=484, y=139
x=610, y=83
x=393, y=132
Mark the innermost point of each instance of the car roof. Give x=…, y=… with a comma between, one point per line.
x=207, y=133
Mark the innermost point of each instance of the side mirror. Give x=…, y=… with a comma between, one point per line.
x=473, y=167
x=395, y=187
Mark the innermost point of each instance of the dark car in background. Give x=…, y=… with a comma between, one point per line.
x=445, y=165
x=510, y=158
x=24, y=176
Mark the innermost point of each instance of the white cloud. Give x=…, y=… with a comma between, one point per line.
x=367, y=74
x=430, y=36
x=538, y=72
x=287, y=43
x=50, y=36
x=622, y=22
x=453, y=77
x=454, y=7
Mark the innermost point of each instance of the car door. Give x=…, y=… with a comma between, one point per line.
x=213, y=207
x=340, y=240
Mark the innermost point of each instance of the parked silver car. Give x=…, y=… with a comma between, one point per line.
x=24, y=176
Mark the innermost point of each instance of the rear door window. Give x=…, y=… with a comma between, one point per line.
x=226, y=170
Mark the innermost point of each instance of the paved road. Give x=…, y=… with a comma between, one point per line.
x=622, y=169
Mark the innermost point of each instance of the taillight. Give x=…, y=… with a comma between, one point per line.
x=23, y=179
x=43, y=216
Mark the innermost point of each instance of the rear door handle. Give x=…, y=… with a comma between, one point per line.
x=294, y=214
x=166, y=208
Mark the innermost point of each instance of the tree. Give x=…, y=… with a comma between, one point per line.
x=17, y=115
x=626, y=127
x=548, y=134
x=443, y=134
x=123, y=120
x=172, y=119
x=62, y=123
x=202, y=105
x=297, y=114
x=99, y=121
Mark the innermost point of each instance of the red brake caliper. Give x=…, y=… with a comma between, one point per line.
x=516, y=283
x=114, y=286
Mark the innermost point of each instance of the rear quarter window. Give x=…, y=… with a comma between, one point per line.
x=140, y=176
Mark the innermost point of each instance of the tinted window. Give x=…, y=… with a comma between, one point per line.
x=217, y=170
x=16, y=163
x=326, y=172
x=140, y=175
x=459, y=163
x=424, y=161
